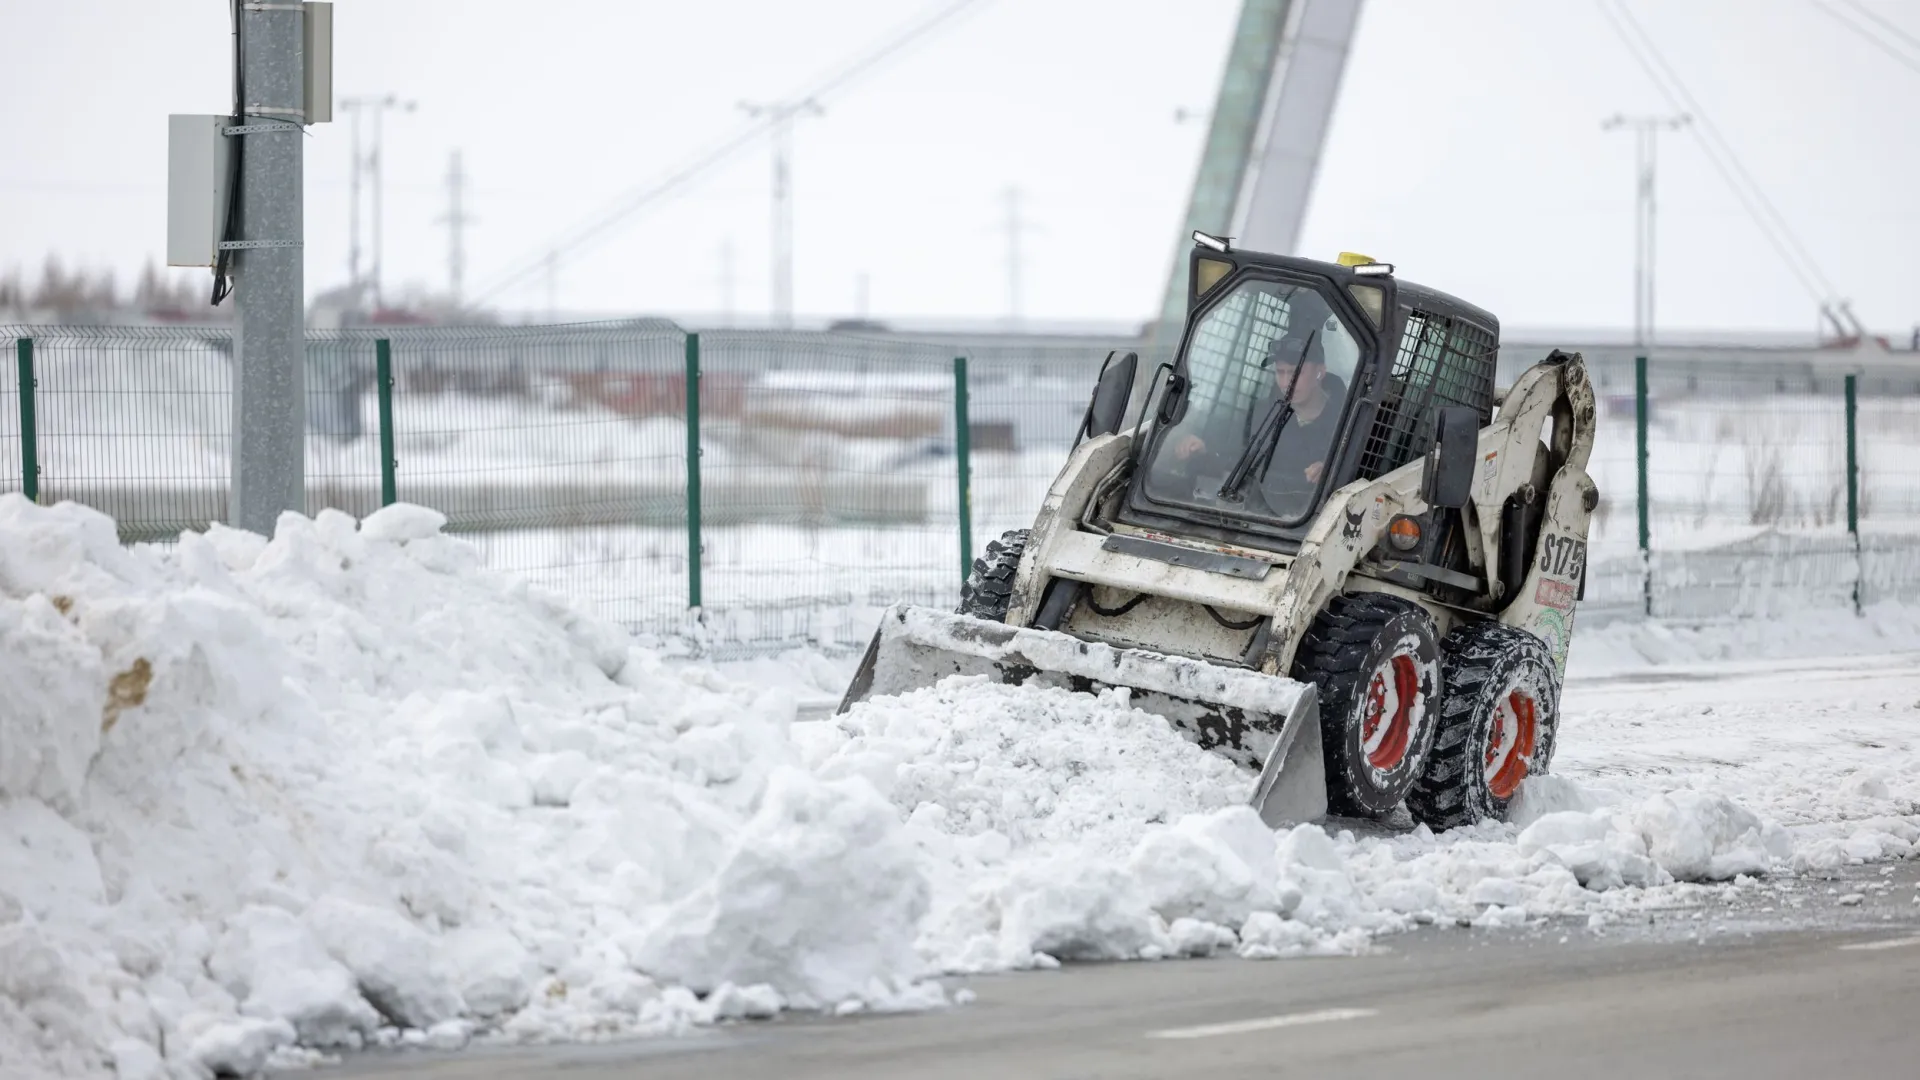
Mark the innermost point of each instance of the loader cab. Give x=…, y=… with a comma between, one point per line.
x=1294, y=378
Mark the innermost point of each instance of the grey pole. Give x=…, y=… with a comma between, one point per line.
x=353, y=209
x=1646, y=129
x=783, y=114
x=269, y=371
x=379, y=195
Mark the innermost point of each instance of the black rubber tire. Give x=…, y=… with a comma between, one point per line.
x=988, y=590
x=1483, y=662
x=1346, y=644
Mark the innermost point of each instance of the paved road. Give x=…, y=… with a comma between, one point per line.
x=1837, y=996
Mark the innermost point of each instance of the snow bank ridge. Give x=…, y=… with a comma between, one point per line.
x=262, y=800
x=345, y=787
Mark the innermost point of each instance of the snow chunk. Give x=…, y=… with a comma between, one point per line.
x=1218, y=867
x=1600, y=851
x=820, y=898
x=1696, y=836
x=56, y=689
x=1085, y=912
x=393, y=962
x=239, y=1047
x=403, y=521
x=271, y=962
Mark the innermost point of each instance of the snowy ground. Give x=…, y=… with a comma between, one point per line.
x=265, y=801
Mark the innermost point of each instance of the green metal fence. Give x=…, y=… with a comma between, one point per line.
x=752, y=490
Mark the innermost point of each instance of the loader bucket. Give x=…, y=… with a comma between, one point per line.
x=1264, y=723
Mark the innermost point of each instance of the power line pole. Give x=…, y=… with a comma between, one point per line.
x=726, y=281
x=456, y=219
x=1015, y=226
x=354, y=171
x=553, y=286
x=1646, y=130
x=783, y=114
x=370, y=163
x=269, y=369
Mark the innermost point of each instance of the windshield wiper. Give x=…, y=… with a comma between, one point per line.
x=1267, y=435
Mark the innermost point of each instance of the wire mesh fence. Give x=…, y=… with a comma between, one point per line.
x=828, y=478
x=1764, y=488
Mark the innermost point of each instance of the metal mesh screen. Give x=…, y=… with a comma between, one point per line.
x=1441, y=360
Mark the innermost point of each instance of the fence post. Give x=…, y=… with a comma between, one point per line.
x=963, y=460
x=383, y=379
x=693, y=470
x=29, y=435
x=1853, y=487
x=1640, y=458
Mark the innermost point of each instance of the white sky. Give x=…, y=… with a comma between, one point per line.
x=1466, y=148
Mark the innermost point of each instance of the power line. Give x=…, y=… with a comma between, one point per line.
x=596, y=229
x=1877, y=41
x=1891, y=26
x=1720, y=153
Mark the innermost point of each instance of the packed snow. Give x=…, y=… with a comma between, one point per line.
x=264, y=801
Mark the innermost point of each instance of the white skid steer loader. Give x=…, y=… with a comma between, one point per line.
x=1320, y=550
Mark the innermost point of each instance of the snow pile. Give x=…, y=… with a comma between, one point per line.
x=262, y=799
x=1058, y=826
x=346, y=787
x=1683, y=835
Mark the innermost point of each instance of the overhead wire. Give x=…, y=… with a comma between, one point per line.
x=597, y=228
x=1720, y=153
x=1890, y=26
x=1876, y=40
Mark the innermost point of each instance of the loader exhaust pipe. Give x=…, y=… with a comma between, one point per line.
x=1262, y=722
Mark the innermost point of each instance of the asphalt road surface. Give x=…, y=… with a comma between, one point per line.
x=1833, y=993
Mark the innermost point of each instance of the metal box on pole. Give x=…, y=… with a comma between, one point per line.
x=197, y=148
x=317, y=51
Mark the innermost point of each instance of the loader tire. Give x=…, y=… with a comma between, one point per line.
x=1376, y=661
x=988, y=590
x=1499, y=713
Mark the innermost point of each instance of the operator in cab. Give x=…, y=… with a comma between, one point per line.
x=1282, y=486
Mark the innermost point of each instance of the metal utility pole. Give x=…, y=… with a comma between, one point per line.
x=553, y=286
x=369, y=163
x=456, y=219
x=783, y=114
x=269, y=369
x=1015, y=225
x=1646, y=130
x=353, y=200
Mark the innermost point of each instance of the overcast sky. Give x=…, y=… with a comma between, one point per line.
x=1466, y=148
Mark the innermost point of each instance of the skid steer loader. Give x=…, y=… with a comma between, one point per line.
x=1319, y=550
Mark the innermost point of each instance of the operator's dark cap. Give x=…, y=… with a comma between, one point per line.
x=1291, y=342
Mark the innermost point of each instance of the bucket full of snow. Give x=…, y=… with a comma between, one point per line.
x=1261, y=722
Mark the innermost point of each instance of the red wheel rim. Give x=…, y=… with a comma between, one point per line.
x=1510, y=744
x=1386, y=728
